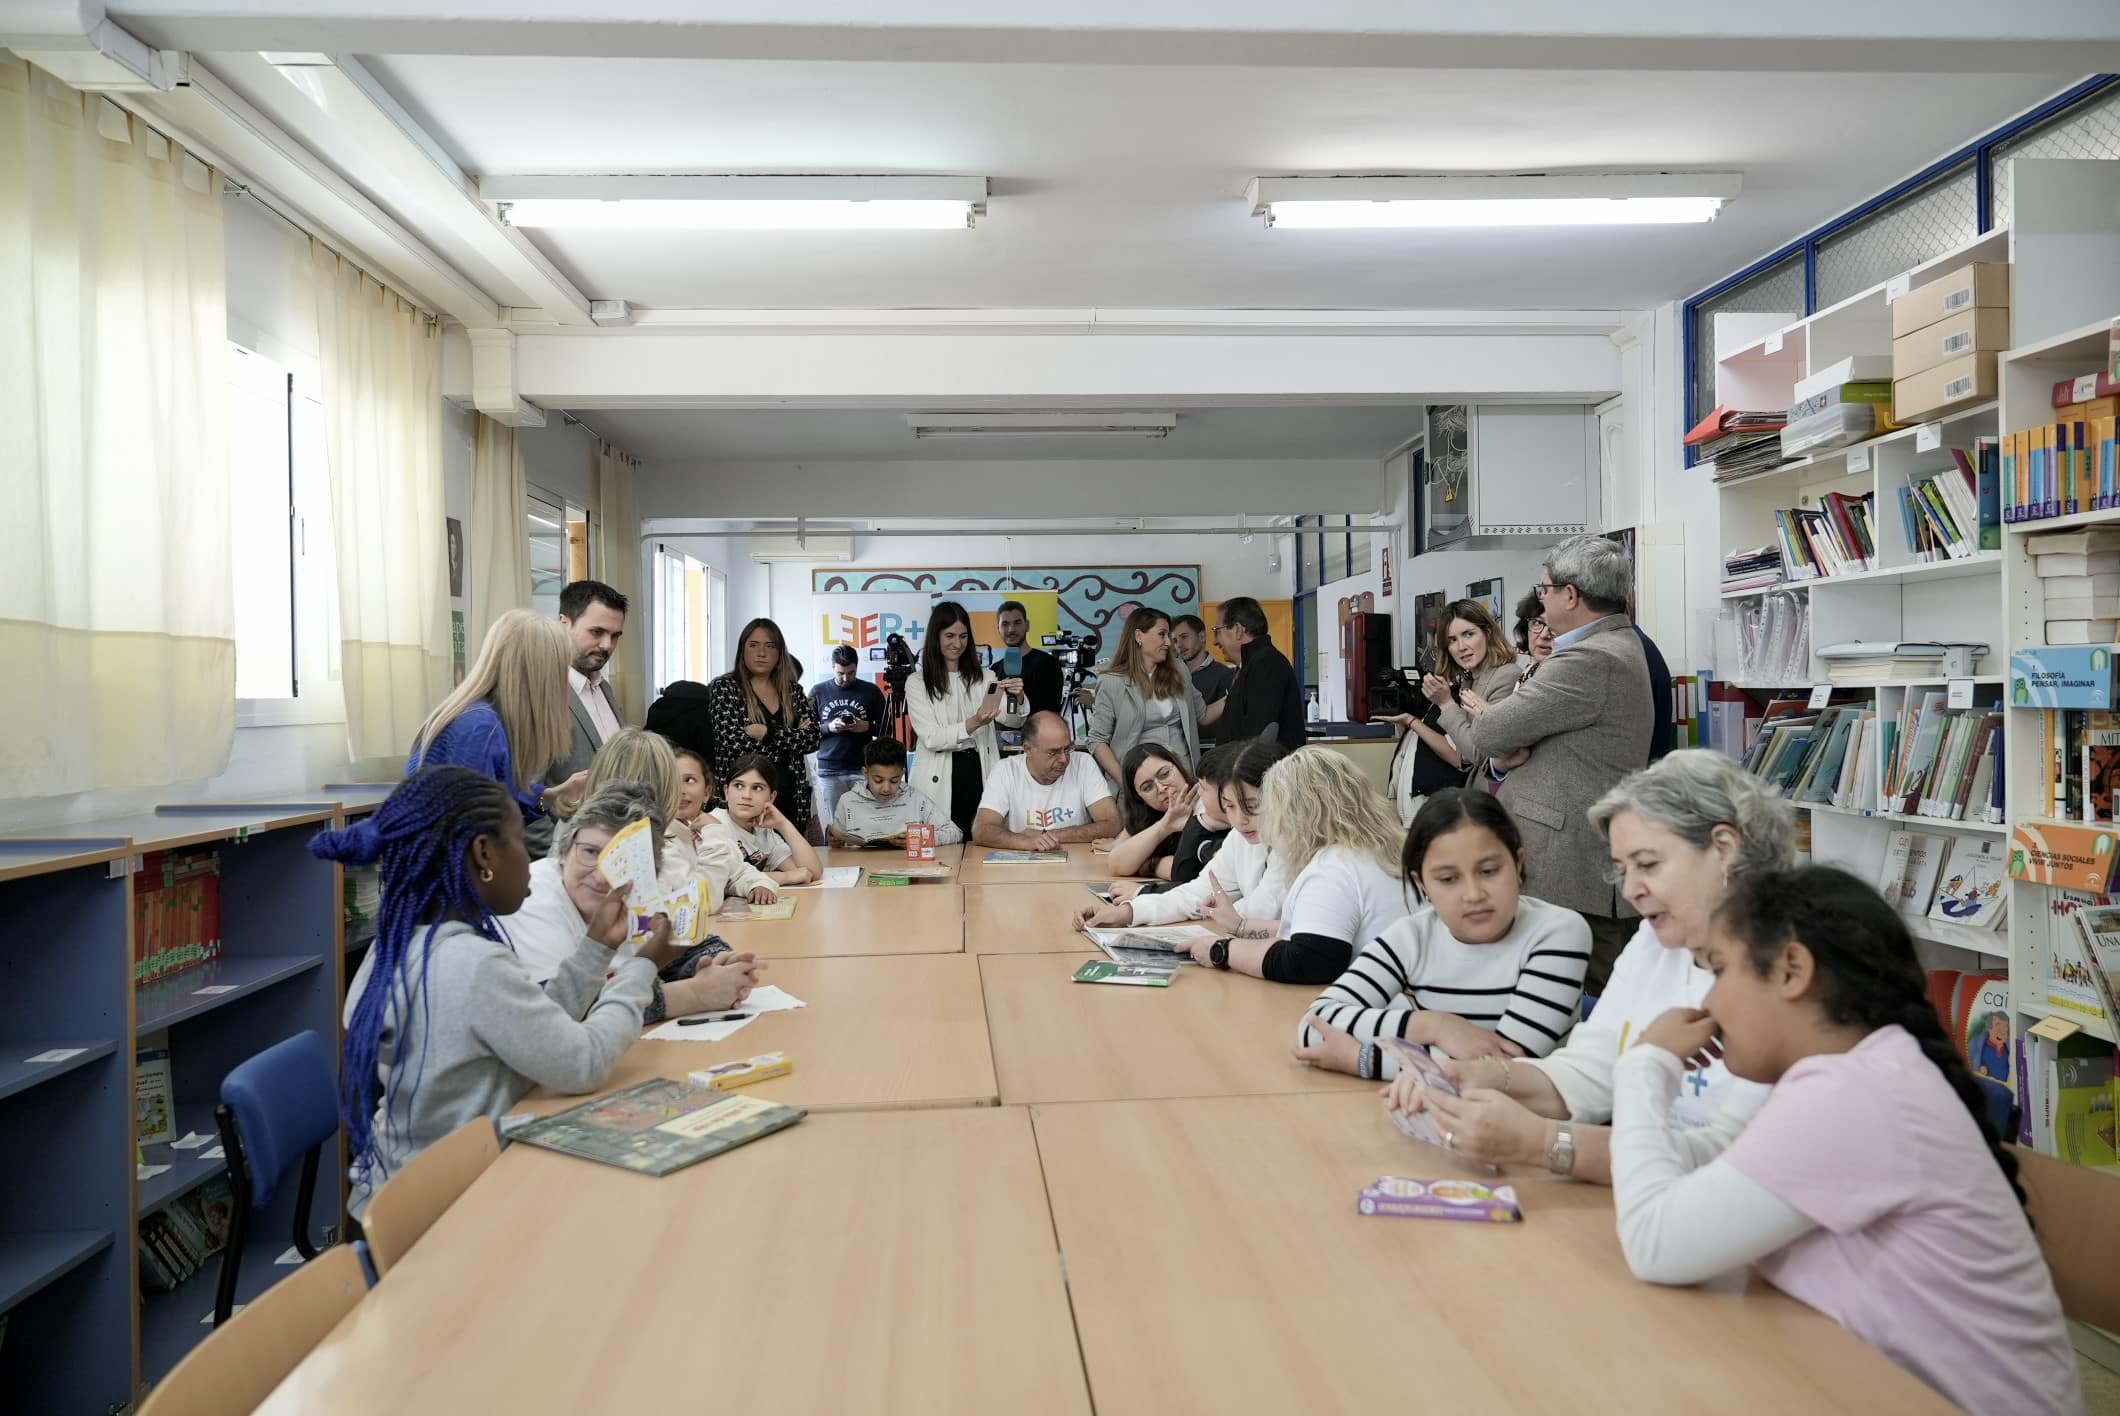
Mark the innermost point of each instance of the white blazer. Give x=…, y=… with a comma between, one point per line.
x=940, y=725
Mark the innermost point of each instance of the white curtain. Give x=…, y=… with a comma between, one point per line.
x=619, y=518
x=381, y=364
x=116, y=606
x=500, y=548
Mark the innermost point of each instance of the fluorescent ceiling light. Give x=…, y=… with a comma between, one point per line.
x=1041, y=425
x=1570, y=199
x=682, y=202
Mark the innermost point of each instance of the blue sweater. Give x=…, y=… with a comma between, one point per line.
x=476, y=739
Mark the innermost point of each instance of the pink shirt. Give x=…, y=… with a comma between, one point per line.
x=1922, y=1251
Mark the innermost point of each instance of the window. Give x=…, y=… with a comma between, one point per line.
x=284, y=575
x=560, y=536
x=691, y=602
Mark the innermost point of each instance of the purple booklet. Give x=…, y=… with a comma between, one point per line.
x=1398, y=1197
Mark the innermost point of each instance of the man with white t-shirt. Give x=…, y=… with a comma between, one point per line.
x=1047, y=797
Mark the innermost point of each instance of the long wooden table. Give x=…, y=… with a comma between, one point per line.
x=1023, y=919
x=907, y=1031
x=862, y=919
x=886, y=1262
x=1216, y=1262
x=1208, y=1034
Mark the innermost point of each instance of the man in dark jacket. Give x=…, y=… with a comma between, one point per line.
x=1265, y=699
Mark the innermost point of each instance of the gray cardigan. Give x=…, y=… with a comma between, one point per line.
x=489, y=1034
x=1120, y=717
x=1493, y=685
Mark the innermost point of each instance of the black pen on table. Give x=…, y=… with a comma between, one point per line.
x=714, y=1018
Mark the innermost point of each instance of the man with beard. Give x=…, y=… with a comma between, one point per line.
x=595, y=615
x=1041, y=671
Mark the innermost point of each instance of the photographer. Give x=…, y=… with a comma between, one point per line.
x=848, y=709
x=954, y=704
x=1474, y=665
x=1042, y=690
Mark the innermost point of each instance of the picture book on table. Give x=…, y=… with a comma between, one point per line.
x=1153, y=945
x=1146, y=975
x=1971, y=889
x=659, y=1126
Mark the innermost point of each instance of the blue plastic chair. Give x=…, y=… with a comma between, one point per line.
x=276, y=1108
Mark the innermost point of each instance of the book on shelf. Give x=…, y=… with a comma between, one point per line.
x=2083, y=1115
x=1944, y=515
x=1738, y=441
x=1836, y=538
x=2059, y=468
x=1977, y=1017
x=2066, y=854
x=2083, y=966
x=1865, y=661
x=1973, y=889
x=1945, y=761
x=154, y=1099
x=2084, y=389
x=658, y=1126
x=1860, y=369
x=176, y=912
x=1913, y=862
x=1753, y=568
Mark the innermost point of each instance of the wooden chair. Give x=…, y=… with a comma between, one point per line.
x=243, y=1359
x=2076, y=1213
x=413, y=1199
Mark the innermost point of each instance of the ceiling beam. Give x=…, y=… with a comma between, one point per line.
x=335, y=108
x=637, y=368
x=1885, y=36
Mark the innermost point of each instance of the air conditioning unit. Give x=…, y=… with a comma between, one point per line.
x=810, y=550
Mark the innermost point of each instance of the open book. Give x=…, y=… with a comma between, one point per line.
x=1150, y=943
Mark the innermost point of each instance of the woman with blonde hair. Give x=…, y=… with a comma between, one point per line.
x=1473, y=664
x=508, y=718
x=1337, y=844
x=1145, y=695
x=711, y=857
x=759, y=706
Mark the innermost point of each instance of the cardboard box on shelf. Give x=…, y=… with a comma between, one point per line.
x=1982, y=327
x=1981, y=283
x=1966, y=379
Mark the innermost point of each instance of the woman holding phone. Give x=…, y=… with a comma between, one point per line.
x=954, y=704
x=1474, y=664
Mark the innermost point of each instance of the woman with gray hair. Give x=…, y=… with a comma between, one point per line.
x=567, y=886
x=1679, y=832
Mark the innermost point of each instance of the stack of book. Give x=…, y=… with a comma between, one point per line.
x=176, y=1242
x=2083, y=748
x=2079, y=576
x=2066, y=465
x=1752, y=568
x=1944, y=763
x=1884, y=661
x=1839, y=537
x=1955, y=512
x=1739, y=441
x=1828, y=756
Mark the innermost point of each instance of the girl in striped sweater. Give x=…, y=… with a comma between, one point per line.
x=1480, y=970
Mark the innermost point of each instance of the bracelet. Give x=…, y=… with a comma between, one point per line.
x=1366, y=1062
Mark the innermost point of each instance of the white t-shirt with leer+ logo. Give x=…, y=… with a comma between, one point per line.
x=1025, y=804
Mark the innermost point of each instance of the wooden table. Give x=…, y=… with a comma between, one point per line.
x=1023, y=919
x=877, y=1262
x=862, y=919
x=1082, y=864
x=903, y=1031
x=1216, y=1263
x=1208, y=1034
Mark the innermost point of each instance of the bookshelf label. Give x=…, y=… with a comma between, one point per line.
x=1821, y=694
x=1774, y=342
x=1897, y=287
x=2086, y=389
x=1958, y=693
x=2054, y=1029
x=1858, y=459
x=215, y=988
x=1928, y=437
x=56, y=1054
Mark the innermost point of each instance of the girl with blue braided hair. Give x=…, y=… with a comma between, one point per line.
x=443, y=1024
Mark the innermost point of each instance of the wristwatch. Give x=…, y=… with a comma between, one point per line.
x=1218, y=954
x=1560, y=1156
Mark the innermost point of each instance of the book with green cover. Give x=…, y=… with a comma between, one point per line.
x=1141, y=975
x=659, y=1126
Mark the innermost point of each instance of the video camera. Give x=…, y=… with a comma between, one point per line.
x=1394, y=691
x=897, y=661
x=1077, y=653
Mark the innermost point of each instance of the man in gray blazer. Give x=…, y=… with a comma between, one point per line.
x=1570, y=732
x=595, y=615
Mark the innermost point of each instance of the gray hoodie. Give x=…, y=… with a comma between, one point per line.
x=860, y=814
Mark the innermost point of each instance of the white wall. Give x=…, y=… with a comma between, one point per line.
x=267, y=310
x=1014, y=488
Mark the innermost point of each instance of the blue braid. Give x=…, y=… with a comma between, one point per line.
x=420, y=836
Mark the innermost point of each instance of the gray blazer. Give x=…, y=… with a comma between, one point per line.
x=1120, y=717
x=1586, y=715
x=1491, y=684
x=581, y=747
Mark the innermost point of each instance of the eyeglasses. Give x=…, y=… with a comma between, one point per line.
x=1539, y=627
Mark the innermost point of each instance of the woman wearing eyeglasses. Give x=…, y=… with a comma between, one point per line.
x=1534, y=637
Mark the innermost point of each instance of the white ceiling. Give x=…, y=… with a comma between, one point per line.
x=1206, y=434
x=1120, y=185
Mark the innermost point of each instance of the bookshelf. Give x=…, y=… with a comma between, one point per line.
x=2026, y=377
x=82, y=1334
